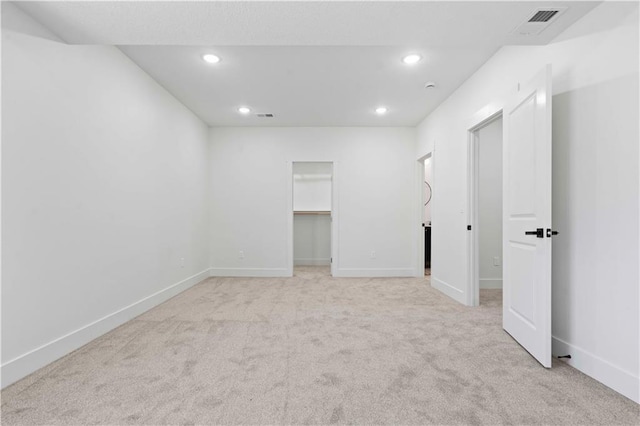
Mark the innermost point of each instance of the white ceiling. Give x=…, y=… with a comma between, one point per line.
x=308, y=85
x=310, y=63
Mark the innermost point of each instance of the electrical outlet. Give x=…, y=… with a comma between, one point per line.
x=241, y=254
x=373, y=254
x=496, y=261
x=182, y=262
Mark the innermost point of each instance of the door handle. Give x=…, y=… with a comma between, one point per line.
x=539, y=233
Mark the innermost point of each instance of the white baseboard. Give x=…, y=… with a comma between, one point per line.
x=375, y=272
x=448, y=289
x=250, y=272
x=32, y=361
x=491, y=283
x=603, y=371
x=312, y=261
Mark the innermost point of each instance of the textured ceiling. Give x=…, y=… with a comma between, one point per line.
x=295, y=23
x=310, y=63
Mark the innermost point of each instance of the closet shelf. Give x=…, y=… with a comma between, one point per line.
x=312, y=212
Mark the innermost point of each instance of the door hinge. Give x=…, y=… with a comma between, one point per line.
x=468, y=227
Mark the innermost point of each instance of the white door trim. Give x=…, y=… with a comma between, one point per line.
x=481, y=119
x=335, y=223
x=289, y=213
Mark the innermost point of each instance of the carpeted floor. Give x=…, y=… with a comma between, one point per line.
x=312, y=350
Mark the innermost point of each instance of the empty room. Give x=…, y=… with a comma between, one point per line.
x=320, y=212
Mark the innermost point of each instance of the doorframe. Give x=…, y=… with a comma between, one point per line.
x=420, y=176
x=481, y=119
x=334, y=214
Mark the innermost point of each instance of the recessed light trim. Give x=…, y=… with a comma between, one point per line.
x=381, y=110
x=412, y=59
x=244, y=110
x=210, y=58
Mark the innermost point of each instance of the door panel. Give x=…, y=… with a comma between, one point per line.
x=527, y=207
x=522, y=159
x=522, y=296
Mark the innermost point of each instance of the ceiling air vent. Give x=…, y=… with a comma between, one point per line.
x=543, y=16
x=538, y=21
x=262, y=115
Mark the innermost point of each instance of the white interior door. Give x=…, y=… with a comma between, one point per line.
x=527, y=217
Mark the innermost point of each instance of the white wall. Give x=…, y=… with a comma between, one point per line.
x=312, y=239
x=104, y=178
x=595, y=185
x=374, y=180
x=312, y=186
x=490, y=204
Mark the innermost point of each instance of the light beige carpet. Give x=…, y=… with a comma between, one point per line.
x=311, y=350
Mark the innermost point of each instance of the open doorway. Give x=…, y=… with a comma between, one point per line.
x=424, y=195
x=486, y=211
x=427, y=197
x=312, y=216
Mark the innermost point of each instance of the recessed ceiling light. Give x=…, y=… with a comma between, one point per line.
x=244, y=110
x=412, y=59
x=211, y=58
x=381, y=110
